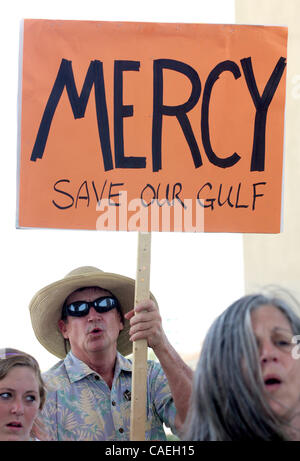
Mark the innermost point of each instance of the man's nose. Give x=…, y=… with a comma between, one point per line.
x=93, y=314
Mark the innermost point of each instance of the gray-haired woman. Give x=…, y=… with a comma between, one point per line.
x=247, y=381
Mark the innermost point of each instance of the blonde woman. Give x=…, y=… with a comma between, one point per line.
x=22, y=395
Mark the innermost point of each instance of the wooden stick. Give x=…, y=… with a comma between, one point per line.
x=139, y=370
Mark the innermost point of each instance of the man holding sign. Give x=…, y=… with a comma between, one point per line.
x=87, y=319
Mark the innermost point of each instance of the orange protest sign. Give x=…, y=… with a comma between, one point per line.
x=148, y=126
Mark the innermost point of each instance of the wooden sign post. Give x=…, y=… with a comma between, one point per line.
x=139, y=374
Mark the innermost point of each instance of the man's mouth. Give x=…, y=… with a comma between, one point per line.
x=95, y=331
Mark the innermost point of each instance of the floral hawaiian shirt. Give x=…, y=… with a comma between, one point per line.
x=80, y=405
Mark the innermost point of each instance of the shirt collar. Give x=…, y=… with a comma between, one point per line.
x=76, y=369
x=122, y=363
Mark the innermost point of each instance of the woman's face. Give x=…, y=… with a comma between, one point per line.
x=281, y=372
x=19, y=403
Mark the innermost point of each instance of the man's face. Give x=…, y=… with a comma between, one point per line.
x=94, y=332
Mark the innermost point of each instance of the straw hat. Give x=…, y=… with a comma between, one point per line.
x=46, y=305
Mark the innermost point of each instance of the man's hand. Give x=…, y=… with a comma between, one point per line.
x=145, y=323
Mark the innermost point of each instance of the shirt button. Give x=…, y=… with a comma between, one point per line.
x=113, y=403
x=121, y=430
x=97, y=378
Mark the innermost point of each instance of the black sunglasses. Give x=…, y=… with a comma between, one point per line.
x=82, y=308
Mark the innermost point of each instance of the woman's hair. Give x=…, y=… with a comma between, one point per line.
x=10, y=358
x=228, y=401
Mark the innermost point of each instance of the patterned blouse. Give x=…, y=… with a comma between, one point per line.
x=80, y=405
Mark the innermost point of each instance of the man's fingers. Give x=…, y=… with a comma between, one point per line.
x=143, y=317
x=143, y=326
x=137, y=336
x=145, y=322
x=129, y=314
x=145, y=305
x=143, y=332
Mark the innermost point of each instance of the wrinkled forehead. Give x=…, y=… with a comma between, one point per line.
x=269, y=317
x=87, y=294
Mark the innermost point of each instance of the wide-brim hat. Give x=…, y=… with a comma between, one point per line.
x=46, y=305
